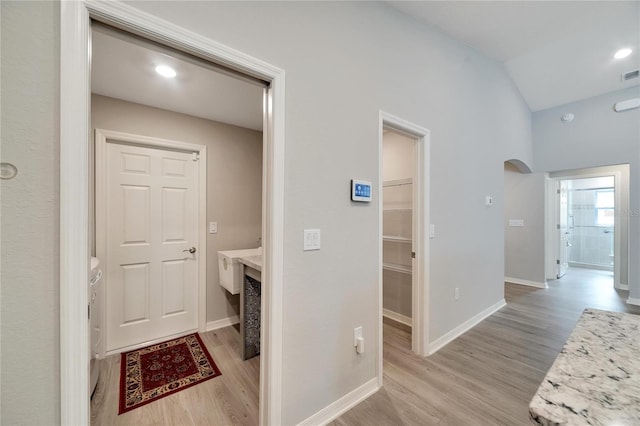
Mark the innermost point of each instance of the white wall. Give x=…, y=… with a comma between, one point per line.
x=29, y=214
x=524, y=199
x=344, y=62
x=234, y=178
x=597, y=137
x=341, y=69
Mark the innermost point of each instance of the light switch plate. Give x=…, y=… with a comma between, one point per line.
x=213, y=227
x=311, y=239
x=432, y=230
x=516, y=222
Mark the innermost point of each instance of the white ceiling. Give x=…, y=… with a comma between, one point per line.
x=124, y=69
x=556, y=52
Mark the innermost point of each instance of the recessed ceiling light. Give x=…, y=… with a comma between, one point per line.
x=622, y=53
x=165, y=71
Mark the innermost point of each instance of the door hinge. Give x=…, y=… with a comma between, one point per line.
x=558, y=226
x=557, y=261
x=413, y=254
x=88, y=311
x=558, y=191
x=195, y=156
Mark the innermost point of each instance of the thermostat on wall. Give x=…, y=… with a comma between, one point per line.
x=360, y=190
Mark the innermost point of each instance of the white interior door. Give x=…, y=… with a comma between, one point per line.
x=564, y=236
x=151, y=217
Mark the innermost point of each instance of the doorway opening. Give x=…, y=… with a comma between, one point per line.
x=398, y=170
x=75, y=228
x=588, y=234
x=404, y=244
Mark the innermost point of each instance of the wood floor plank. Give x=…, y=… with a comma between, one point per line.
x=486, y=376
x=489, y=374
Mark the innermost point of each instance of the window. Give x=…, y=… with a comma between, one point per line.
x=605, y=207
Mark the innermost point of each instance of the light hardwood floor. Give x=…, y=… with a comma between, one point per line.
x=230, y=399
x=487, y=376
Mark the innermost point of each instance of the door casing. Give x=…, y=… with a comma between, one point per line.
x=75, y=93
x=551, y=234
x=420, y=274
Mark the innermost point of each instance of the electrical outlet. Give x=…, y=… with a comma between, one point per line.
x=456, y=293
x=357, y=332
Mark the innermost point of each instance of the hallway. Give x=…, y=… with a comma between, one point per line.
x=490, y=374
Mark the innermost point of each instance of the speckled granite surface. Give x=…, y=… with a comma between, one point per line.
x=596, y=378
x=252, y=290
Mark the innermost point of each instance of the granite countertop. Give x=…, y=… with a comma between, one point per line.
x=254, y=262
x=596, y=378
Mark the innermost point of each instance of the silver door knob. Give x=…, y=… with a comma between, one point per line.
x=191, y=250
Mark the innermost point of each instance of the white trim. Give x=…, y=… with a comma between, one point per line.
x=526, y=282
x=102, y=138
x=402, y=319
x=222, y=323
x=342, y=405
x=442, y=341
x=633, y=301
x=623, y=287
x=421, y=193
x=75, y=90
x=74, y=213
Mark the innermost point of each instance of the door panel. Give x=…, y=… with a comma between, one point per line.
x=151, y=222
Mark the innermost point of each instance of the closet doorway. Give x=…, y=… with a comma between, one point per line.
x=404, y=240
x=398, y=169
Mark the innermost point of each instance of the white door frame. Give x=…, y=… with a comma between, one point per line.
x=420, y=274
x=101, y=211
x=75, y=92
x=553, y=245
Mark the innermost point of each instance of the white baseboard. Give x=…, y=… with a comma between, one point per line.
x=224, y=322
x=621, y=286
x=525, y=282
x=440, y=342
x=633, y=301
x=402, y=319
x=344, y=404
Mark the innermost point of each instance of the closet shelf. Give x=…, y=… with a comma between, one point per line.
x=397, y=268
x=397, y=209
x=397, y=182
x=396, y=239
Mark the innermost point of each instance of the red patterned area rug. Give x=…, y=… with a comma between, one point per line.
x=156, y=371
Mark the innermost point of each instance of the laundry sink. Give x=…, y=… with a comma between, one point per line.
x=229, y=268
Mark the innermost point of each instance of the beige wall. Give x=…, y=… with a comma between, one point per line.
x=597, y=137
x=334, y=77
x=234, y=178
x=30, y=371
x=524, y=247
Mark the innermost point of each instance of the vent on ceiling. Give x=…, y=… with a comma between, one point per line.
x=630, y=75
